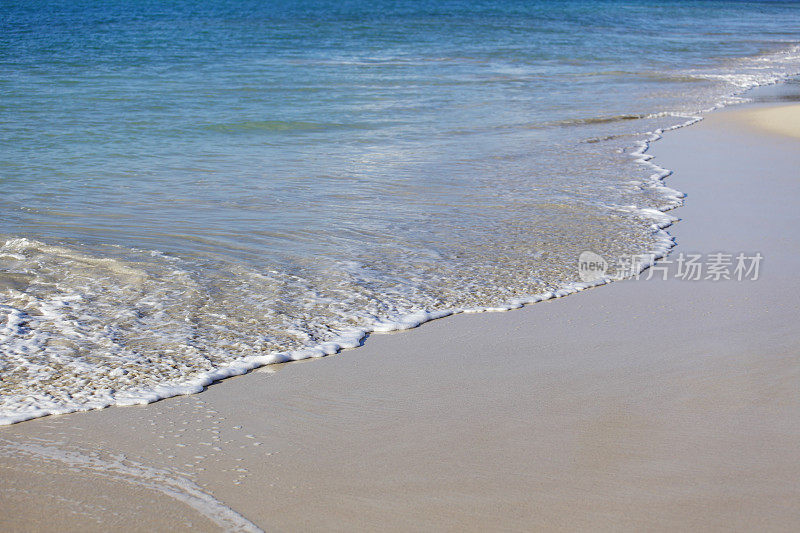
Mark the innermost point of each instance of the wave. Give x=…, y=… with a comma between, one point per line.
x=171, y=335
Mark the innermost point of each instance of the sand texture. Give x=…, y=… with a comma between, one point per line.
x=644, y=404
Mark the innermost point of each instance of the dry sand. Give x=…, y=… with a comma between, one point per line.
x=780, y=120
x=657, y=405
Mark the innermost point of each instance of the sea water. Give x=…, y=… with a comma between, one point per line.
x=192, y=189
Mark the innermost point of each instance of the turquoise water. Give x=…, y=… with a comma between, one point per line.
x=191, y=189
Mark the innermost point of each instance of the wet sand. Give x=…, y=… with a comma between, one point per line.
x=644, y=404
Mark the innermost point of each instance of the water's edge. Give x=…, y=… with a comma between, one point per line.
x=350, y=339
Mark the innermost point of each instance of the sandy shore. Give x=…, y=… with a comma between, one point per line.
x=647, y=404
x=780, y=120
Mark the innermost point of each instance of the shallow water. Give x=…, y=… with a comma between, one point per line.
x=191, y=190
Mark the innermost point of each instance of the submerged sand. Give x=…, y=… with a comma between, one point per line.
x=646, y=404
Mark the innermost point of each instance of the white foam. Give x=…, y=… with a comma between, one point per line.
x=120, y=468
x=19, y=340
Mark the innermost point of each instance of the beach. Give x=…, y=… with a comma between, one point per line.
x=195, y=191
x=648, y=404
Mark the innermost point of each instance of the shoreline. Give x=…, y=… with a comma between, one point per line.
x=661, y=218
x=561, y=415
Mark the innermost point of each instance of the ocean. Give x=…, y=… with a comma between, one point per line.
x=194, y=189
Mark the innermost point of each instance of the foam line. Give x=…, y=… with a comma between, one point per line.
x=120, y=468
x=660, y=220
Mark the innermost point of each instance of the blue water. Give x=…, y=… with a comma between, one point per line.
x=190, y=188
